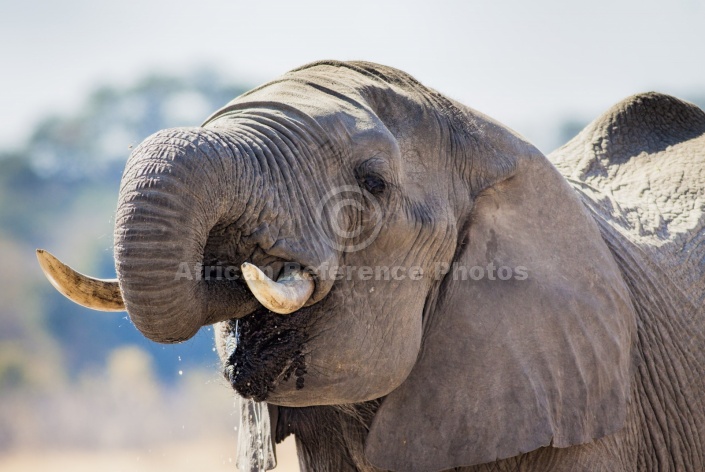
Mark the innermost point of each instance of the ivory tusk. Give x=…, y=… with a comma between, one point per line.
x=284, y=296
x=99, y=294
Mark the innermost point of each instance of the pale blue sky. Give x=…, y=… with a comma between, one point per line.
x=527, y=64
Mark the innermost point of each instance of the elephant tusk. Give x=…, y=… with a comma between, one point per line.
x=289, y=293
x=99, y=294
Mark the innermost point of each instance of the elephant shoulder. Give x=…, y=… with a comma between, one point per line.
x=641, y=168
x=647, y=124
x=647, y=154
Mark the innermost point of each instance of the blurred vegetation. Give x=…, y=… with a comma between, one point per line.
x=60, y=364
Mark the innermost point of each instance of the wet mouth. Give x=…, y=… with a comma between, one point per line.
x=264, y=350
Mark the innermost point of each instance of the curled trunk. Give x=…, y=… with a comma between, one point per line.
x=177, y=186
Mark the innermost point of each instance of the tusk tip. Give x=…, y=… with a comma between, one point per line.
x=251, y=272
x=103, y=295
x=285, y=296
x=47, y=262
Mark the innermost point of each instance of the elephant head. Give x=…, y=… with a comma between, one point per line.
x=426, y=255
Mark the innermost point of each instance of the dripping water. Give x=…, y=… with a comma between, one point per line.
x=255, y=452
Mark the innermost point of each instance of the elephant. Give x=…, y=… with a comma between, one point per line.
x=411, y=286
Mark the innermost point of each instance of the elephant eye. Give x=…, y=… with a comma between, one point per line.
x=372, y=183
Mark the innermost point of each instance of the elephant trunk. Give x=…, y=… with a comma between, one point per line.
x=178, y=185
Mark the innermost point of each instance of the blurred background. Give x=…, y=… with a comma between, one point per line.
x=83, y=82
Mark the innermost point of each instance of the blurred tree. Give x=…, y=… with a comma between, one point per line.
x=60, y=192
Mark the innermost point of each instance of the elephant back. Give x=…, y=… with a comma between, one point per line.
x=640, y=167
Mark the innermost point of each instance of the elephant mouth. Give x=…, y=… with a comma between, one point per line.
x=263, y=350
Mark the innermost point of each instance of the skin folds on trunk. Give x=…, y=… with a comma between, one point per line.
x=176, y=187
x=213, y=196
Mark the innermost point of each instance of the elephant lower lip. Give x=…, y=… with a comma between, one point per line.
x=264, y=350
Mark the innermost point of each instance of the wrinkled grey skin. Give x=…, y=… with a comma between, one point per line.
x=593, y=362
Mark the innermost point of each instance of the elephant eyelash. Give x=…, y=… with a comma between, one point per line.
x=370, y=180
x=373, y=184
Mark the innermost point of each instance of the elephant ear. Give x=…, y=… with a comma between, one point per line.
x=513, y=363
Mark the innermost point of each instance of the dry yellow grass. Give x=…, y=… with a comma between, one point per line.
x=211, y=456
